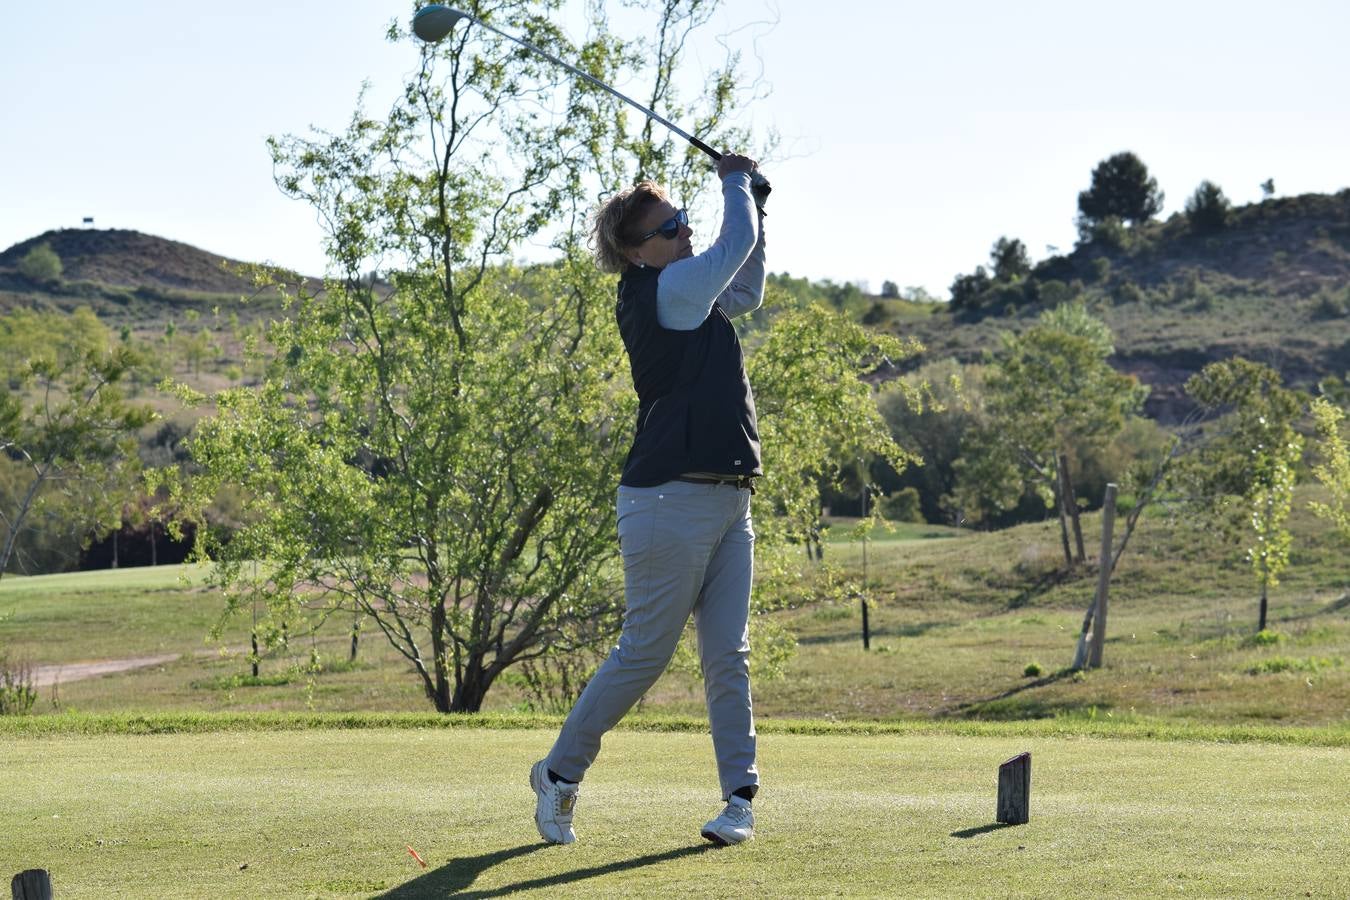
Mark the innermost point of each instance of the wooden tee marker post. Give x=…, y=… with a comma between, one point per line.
x=1014, y=790
x=34, y=884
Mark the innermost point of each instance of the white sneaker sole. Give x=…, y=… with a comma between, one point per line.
x=720, y=841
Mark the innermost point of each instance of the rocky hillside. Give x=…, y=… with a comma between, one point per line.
x=1273, y=285
x=131, y=259
x=130, y=278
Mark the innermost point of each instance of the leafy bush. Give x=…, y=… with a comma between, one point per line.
x=1101, y=269
x=1265, y=638
x=17, y=694
x=1033, y=670
x=1331, y=304
x=967, y=290
x=1129, y=292
x=1109, y=233
x=41, y=264
x=1208, y=209
x=1052, y=292
x=1277, y=664
x=902, y=506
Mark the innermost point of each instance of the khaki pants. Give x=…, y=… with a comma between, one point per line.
x=687, y=549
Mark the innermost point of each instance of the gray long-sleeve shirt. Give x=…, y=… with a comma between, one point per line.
x=729, y=273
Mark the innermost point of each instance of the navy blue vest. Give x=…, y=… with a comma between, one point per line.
x=695, y=409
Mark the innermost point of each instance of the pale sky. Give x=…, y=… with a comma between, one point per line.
x=915, y=133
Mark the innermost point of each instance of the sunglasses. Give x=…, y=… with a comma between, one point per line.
x=669, y=229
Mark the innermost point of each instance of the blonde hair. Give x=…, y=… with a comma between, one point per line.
x=614, y=231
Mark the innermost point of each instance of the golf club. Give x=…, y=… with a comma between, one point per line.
x=432, y=23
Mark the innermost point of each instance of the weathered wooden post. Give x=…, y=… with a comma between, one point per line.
x=33, y=884
x=1103, y=578
x=1014, y=790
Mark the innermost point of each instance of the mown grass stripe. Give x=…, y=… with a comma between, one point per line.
x=204, y=723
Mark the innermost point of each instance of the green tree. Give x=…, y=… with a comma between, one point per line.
x=968, y=290
x=1009, y=259
x=890, y=290
x=66, y=429
x=438, y=452
x=1333, y=471
x=41, y=264
x=1050, y=390
x=1121, y=188
x=1207, y=210
x=1243, y=472
x=935, y=429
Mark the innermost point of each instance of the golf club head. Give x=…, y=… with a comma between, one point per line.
x=433, y=22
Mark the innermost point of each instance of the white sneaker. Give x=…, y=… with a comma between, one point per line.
x=735, y=824
x=553, y=805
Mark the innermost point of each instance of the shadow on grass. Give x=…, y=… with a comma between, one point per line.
x=1336, y=605
x=453, y=878
x=966, y=833
x=1040, y=586
x=1004, y=706
x=916, y=629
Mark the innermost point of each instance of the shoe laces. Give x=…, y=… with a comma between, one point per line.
x=564, y=802
x=738, y=815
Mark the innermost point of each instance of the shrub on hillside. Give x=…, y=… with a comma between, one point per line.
x=1128, y=292
x=1207, y=210
x=17, y=694
x=1109, y=233
x=1101, y=269
x=1331, y=304
x=41, y=264
x=968, y=290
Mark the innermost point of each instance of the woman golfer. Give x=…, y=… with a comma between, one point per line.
x=684, y=499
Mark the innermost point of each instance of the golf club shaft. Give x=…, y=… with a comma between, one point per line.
x=600, y=84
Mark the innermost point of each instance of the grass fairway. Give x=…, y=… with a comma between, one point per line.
x=328, y=812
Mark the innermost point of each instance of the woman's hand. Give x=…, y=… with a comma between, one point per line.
x=733, y=162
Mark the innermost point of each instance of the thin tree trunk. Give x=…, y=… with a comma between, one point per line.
x=22, y=514
x=1265, y=581
x=1070, y=498
x=1063, y=522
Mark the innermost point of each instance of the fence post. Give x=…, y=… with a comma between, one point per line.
x=1014, y=790
x=1103, y=578
x=33, y=884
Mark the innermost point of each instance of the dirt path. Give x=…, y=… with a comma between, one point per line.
x=46, y=676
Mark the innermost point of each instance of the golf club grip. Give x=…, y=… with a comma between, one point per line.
x=717, y=157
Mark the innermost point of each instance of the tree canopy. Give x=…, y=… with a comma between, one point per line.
x=1122, y=189
x=67, y=431
x=1050, y=389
